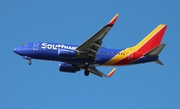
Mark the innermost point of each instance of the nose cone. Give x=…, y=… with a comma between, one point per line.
x=22, y=51
x=16, y=50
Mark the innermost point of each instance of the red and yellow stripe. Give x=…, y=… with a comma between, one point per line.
x=113, y=20
x=112, y=72
x=151, y=41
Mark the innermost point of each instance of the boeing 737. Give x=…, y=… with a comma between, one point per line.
x=90, y=54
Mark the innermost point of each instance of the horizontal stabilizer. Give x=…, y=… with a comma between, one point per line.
x=159, y=62
x=156, y=51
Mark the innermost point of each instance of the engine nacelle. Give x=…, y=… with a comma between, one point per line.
x=64, y=67
x=67, y=53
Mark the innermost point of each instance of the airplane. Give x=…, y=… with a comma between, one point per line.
x=90, y=54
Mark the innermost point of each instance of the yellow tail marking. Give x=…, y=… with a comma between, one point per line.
x=130, y=50
x=148, y=37
x=118, y=57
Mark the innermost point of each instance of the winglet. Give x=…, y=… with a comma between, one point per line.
x=113, y=20
x=112, y=72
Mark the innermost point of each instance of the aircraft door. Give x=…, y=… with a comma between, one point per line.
x=130, y=57
x=35, y=46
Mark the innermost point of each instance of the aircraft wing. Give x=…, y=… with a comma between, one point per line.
x=93, y=70
x=90, y=47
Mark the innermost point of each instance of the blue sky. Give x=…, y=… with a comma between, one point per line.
x=146, y=86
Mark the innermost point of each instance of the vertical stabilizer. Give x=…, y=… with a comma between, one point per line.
x=152, y=40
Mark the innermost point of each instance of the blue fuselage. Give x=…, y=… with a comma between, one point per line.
x=49, y=51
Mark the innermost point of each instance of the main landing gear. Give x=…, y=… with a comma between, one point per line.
x=86, y=71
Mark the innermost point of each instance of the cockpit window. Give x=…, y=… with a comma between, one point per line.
x=24, y=45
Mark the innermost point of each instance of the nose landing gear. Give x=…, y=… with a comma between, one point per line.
x=29, y=62
x=28, y=58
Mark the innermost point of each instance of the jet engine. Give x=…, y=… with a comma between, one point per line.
x=65, y=67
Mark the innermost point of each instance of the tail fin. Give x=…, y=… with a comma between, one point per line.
x=155, y=52
x=152, y=40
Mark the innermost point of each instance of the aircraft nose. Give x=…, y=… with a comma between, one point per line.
x=15, y=50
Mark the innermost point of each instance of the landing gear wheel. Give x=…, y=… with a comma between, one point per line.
x=86, y=72
x=86, y=63
x=29, y=62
